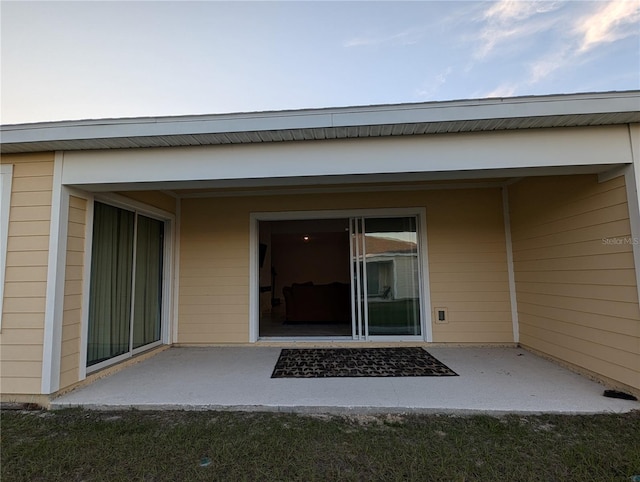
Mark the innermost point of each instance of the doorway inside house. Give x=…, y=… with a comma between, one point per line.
x=357, y=278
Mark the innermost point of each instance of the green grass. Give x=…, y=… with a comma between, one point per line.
x=75, y=445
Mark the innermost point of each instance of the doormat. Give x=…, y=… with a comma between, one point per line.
x=359, y=362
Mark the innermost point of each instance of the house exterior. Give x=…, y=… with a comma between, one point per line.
x=510, y=221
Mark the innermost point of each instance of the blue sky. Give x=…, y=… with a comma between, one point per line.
x=87, y=60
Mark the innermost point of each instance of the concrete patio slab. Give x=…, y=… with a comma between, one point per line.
x=491, y=380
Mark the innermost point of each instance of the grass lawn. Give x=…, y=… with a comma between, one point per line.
x=75, y=445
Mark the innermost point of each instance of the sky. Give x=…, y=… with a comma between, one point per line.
x=115, y=59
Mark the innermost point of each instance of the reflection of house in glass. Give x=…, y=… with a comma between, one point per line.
x=392, y=268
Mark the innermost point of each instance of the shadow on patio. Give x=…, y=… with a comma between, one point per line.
x=492, y=380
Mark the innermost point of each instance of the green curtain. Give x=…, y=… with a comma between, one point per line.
x=148, y=286
x=111, y=275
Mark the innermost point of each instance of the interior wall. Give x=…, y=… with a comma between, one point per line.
x=21, y=339
x=323, y=259
x=574, y=273
x=466, y=253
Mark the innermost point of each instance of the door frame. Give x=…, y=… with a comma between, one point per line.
x=152, y=212
x=254, y=279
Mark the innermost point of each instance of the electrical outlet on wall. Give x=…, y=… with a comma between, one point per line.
x=441, y=315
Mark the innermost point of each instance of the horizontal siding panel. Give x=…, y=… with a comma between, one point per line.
x=215, y=299
x=27, y=258
x=578, y=263
x=73, y=286
x=600, y=366
x=476, y=316
x=21, y=321
x=495, y=245
x=211, y=328
x=76, y=230
x=474, y=327
x=602, y=307
x=214, y=263
x=74, y=272
x=77, y=215
x=19, y=385
x=31, y=213
x=72, y=302
x=222, y=309
x=71, y=331
x=75, y=258
x=471, y=277
x=31, y=169
x=537, y=235
x=41, y=198
x=32, y=184
x=466, y=296
x=76, y=245
x=624, y=326
x=602, y=352
x=211, y=290
x=593, y=335
x=26, y=369
x=562, y=207
x=21, y=353
x=28, y=243
x=614, y=277
x=469, y=257
x=69, y=377
x=205, y=339
x=71, y=348
x=207, y=318
x=213, y=281
x=219, y=272
x=27, y=289
x=29, y=228
x=463, y=286
x=79, y=203
x=625, y=294
x=469, y=267
x=484, y=337
x=24, y=305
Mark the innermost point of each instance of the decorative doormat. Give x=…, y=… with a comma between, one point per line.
x=359, y=362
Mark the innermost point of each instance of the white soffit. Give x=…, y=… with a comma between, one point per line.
x=569, y=110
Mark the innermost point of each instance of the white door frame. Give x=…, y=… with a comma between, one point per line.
x=254, y=282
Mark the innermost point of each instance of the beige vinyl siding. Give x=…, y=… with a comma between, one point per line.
x=153, y=198
x=73, y=283
x=574, y=271
x=467, y=260
x=26, y=273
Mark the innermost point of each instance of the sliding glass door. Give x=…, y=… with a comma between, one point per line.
x=126, y=283
x=386, y=277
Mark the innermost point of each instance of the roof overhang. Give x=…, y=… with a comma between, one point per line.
x=531, y=112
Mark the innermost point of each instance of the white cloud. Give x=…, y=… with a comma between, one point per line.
x=409, y=36
x=504, y=90
x=508, y=20
x=429, y=88
x=613, y=21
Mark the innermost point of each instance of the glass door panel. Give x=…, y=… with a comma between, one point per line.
x=386, y=277
x=110, y=289
x=392, y=276
x=147, y=308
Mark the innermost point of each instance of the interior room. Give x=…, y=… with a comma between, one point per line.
x=305, y=278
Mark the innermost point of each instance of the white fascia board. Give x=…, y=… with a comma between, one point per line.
x=390, y=155
x=444, y=111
